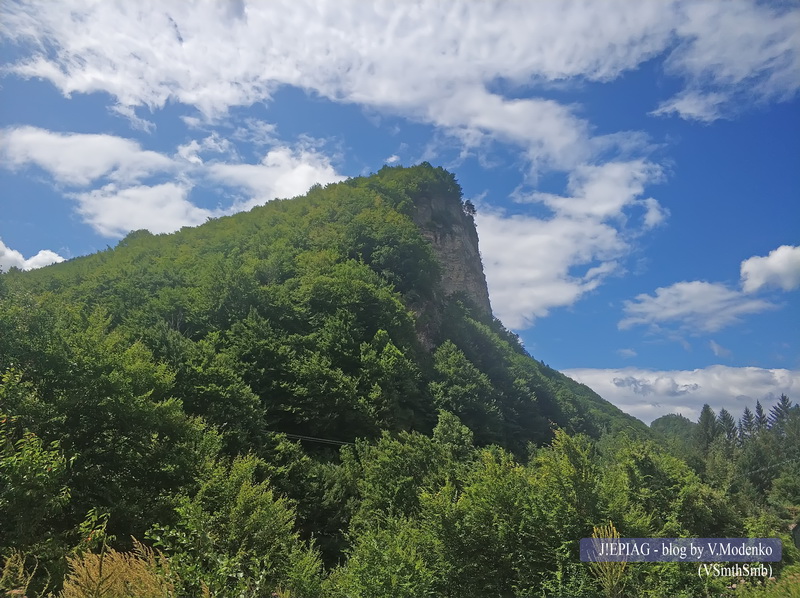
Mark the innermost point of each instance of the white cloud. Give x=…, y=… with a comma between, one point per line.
x=732, y=54
x=136, y=122
x=392, y=159
x=284, y=172
x=530, y=263
x=429, y=59
x=536, y=264
x=10, y=258
x=114, y=211
x=190, y=152
x=648, y=394
x=257, y=132
x=124, y=204
x=550, y=134
x=602, y=192
x=692, y=306
x=80, y=159
x=693, y=105
x=699, y=306
x=781, y=268
x=207, y=58
x=627, y=353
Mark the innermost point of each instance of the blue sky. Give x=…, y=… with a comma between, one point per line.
x=636, y=166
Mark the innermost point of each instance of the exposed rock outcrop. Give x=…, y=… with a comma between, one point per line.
x=444, y=221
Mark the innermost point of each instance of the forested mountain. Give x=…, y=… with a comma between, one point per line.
x=313, y=399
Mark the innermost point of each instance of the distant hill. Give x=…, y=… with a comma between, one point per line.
x=358, y=307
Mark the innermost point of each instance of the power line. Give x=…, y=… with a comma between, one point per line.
x=315, y=439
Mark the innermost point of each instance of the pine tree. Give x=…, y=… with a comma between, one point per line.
x=747, y=425
x=779, y=413
x=726, y=424
x=761, y=418
x=707, y=428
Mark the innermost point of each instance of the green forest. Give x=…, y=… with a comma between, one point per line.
x=293, y=402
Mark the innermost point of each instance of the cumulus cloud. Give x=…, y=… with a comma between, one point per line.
x=781, y=268
x=692, y=306
x=79, y=159
x=531, y=264
x=10, y=258
x=284, y=172
x=583, y=239
x=113, y=211
x=126, y=203
x=602, y=192
x=649, y=394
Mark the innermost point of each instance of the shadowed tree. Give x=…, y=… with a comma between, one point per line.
x=779, y=414
x=761, y=418
x=726, y=425
x=747, y=425
x=707, y=429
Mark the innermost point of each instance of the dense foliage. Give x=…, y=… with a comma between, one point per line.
x=289, y=401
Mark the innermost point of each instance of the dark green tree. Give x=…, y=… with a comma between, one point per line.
x=707, y=429
x=726, y=425
x=761, y=419
x=779, y=414
x=747, y=425
x=236, y=538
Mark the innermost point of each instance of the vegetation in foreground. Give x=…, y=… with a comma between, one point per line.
x=288, y=401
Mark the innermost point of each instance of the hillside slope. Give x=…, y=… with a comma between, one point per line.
x=308, y=398
x=358, y=307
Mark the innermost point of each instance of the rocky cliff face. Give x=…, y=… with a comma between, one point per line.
x=454, y=238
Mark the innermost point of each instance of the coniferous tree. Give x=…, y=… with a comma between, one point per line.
x=779, y=413
x=726, y=424
x=747, y=425
x=761, y=418
x=707, y=428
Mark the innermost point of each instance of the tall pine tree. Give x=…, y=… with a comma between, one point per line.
x=779, y=414
x=726, y=425
x=761, y=418
x=707, y=429
x=747, y=425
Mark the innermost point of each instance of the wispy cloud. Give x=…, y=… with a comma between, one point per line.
x=701, y=307
x=732, y=55
x=718, y=349
x=693, y=307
